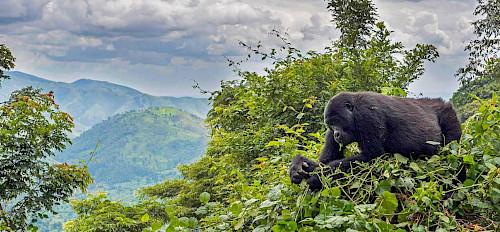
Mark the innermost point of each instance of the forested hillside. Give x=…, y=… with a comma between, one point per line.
x=145, y=144
x=91, y=102
x=135, y=149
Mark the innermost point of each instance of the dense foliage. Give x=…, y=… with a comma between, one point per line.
x=482, y=87
x=484, y=49
x=98, y=213
x=249, y=112
x=6, y=61
x=481, y=76
x=387, y=194
x=259, y=122
x=31, y=129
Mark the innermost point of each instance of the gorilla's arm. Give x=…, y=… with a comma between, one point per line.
x=332, y=150
x=302, y=166
x=369, y=126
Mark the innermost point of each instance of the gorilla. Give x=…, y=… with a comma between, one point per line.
x=380, y=124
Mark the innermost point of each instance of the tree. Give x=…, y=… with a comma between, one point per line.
x=31, y=128
x=6, y=61
x=484, y=50
x=481, y=76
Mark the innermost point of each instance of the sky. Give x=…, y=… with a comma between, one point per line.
x=162, y=47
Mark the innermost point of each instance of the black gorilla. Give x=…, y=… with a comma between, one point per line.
x=380, y=124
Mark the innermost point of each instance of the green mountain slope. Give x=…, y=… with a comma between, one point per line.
x=137, y=149
x=91, y=102
x=139, y=145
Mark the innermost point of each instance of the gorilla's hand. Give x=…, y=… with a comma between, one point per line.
x=300, y=169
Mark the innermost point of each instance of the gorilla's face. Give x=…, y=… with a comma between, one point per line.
x=339, y=117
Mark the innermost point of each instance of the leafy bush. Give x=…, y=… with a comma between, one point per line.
x=390, y=193
x=98, y=213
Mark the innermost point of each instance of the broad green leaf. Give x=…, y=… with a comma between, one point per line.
x=202, y=210
x=401, y=158
x=156, y=226
x=388, y=204
x=145, y=218
x=382, y=187
x=204, y=197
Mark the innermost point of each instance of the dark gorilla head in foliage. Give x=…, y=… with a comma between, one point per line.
x=339, y=118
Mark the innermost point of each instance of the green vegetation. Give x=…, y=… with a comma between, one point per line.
x=247, y=114
x=31, y=128
x=481, y=76
x=141, y=144
x=260, y=122
x=136, y=149
x=6, y=61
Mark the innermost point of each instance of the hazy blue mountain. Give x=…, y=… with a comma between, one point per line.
x=91, y=102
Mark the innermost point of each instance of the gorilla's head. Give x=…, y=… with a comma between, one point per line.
x=339, y=117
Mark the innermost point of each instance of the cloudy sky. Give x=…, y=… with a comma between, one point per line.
x=161, y=46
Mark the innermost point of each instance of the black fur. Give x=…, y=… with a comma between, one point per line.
x=380, y=124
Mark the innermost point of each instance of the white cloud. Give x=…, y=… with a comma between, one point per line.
x=51, y=37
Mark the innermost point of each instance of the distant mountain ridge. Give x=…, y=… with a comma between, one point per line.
x=147, y=143
x=91, y=101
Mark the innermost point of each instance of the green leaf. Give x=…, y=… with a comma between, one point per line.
x=145, y=218
x=275, y=193
x=223, y=217
x=382, y=187
x=468, y=159
x=156, y=226
x=273, y=143
x=384, y=227
x=401, y=158
x=331, y=192
x=184, y=221
x=415, y=167
x=388, y=204
x=170, y=211
x=193, y=222
x=204, y=197
x=202, y=210
x=285, y=214
x=239, y=223
x=267, y=203
x=277, y=228
x=235, y=207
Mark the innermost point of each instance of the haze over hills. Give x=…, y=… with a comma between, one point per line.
x=91, y=101
x=146, y=144
x=136, y=149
